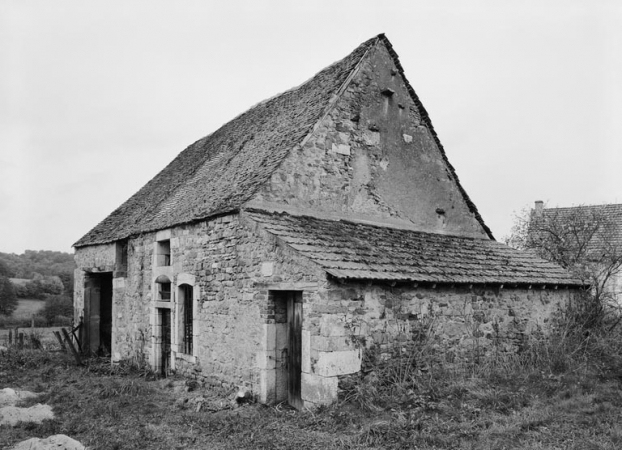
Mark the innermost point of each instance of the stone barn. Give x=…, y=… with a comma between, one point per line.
x=319, y=224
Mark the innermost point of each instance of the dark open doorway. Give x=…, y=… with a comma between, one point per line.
x=97, y=337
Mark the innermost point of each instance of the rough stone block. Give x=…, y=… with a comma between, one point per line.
x=306, y=351
x=332, y=326
x=267, y=384
x=319, y=389
x=269, y=336
x=332, y=343
x=338, y=363
x=371, y=137
x=267, y=269
x=341, y=149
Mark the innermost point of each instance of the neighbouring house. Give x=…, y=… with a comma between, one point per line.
x=586, y=239
x=319, y=224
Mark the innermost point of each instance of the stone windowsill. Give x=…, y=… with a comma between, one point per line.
x=164, y=305
x=188, y=358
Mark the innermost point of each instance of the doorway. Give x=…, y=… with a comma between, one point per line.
x=288, y=323
x=164, y=319
x=97, y=333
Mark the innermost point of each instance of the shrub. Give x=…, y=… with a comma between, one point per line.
x=8, y=300
x=57, y=305
x=61, y=321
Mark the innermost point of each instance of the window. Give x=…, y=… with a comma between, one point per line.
x=163, y=285
x=164, y=253
x=187, y=316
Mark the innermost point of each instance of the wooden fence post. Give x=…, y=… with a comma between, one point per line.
x=10, y=336
x=60, y=341
x=76, y=355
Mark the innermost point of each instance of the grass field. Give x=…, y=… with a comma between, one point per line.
x=26, y=307
x=119, y=407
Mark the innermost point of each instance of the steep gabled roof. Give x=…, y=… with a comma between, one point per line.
x=220, y=172
x=357, y=251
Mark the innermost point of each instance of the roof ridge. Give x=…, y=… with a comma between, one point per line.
x=585, y=206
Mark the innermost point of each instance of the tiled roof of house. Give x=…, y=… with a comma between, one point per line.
x=609, y=216
x=220, y=172
x=358, y=251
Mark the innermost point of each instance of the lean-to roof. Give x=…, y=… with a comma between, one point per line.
x=357, y=251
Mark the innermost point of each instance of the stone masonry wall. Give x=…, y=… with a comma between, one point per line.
x=234, y=267
x=459, y=323
x=371, y=158
x=237, y=268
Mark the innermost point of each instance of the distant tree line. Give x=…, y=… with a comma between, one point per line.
x=49, y=276
x=44, y=262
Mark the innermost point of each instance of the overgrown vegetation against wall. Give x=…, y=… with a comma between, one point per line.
x=583, y=338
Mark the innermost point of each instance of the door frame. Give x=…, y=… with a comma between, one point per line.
x=94, y=289
x=282, y=367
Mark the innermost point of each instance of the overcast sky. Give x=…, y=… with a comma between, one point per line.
x=97, y=97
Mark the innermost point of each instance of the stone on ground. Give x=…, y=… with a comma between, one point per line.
x=56, y=442
x=10, y=396
x=12, y=415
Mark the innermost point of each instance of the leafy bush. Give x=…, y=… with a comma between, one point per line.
x=57, y=305
x=61, y=321
x=8, y=299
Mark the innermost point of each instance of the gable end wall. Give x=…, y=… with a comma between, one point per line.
x=372, y=158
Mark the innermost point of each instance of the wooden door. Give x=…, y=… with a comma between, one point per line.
x=166, y=340
x=92, y=298
x=294, y=340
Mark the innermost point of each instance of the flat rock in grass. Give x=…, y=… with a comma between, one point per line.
x=9, y=397
x=12, y=415
x=56, y=442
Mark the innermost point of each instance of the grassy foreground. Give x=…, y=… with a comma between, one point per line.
x=124, y=408
x=562, y=392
